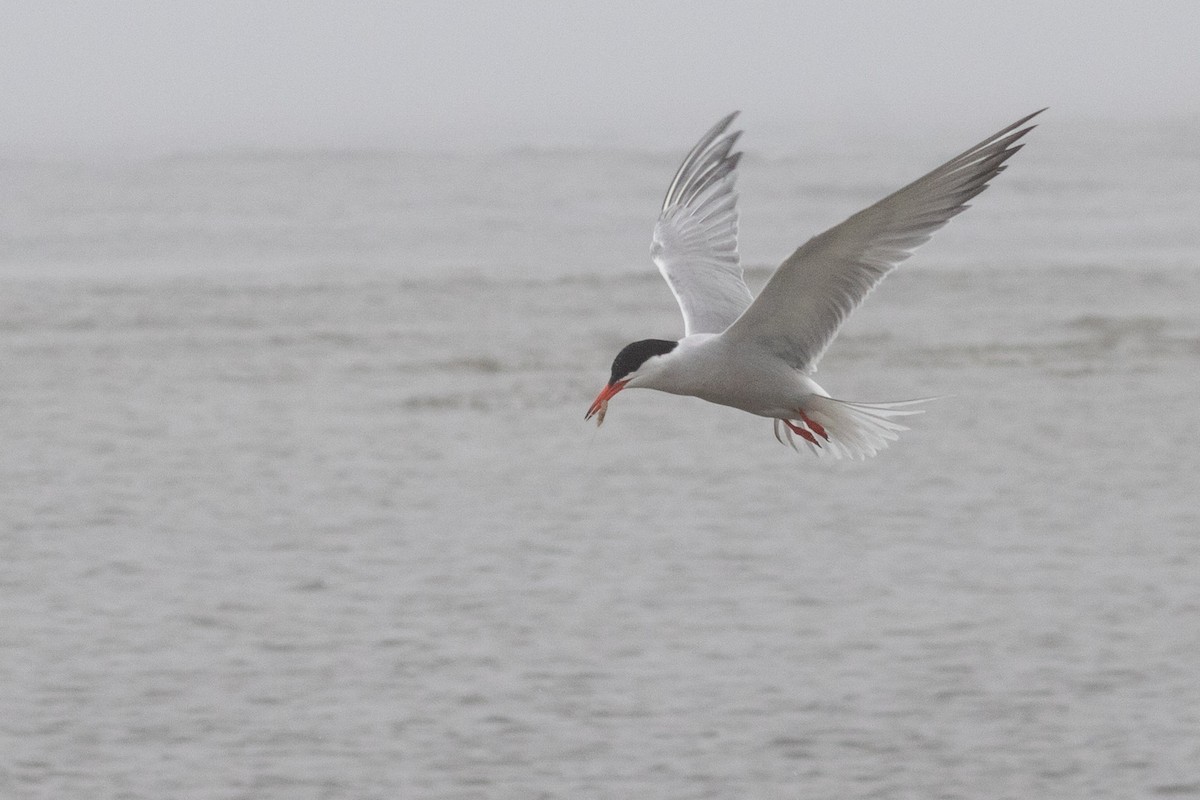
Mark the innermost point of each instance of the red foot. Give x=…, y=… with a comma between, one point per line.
x=803, y=433
x=816, y=426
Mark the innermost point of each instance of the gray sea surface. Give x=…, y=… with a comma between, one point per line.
x=297, y=499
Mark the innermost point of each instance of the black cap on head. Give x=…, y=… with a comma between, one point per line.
x=632, y=356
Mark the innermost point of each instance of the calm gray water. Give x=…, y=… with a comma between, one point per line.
x=297, y=500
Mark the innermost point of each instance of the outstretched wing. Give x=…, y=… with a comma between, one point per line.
x=695, y=239
x=799, y=311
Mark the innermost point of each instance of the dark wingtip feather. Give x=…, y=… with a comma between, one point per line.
x=710, y=154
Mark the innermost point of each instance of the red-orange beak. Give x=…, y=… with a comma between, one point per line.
x=601, y=405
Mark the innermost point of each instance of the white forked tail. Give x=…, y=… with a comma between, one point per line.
x=844, y=429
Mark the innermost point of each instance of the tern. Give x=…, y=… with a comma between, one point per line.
x=759, y=354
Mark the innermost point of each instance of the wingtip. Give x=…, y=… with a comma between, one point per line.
x=1007, y=131
x=726, y=121
x=1031, y=116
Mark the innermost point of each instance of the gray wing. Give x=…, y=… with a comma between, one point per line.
x=799, y=311
x=695, y=238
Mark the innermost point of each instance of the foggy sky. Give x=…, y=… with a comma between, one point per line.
x=150, y=76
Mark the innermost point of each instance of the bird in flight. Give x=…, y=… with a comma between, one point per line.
x=758, y=354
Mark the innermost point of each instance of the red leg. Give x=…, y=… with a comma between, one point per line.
x=803, y=433
x=816, y=426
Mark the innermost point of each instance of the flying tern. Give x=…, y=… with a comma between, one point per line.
x=759, y=354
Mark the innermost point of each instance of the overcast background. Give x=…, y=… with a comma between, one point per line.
x=134, y=77
x=297, y=500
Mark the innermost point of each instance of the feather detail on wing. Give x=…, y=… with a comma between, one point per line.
x=695, y=238
x=808, y=298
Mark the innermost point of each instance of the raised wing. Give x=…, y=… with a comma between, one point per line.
x=695, y=239
x=799, y=311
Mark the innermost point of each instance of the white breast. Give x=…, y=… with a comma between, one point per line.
x=756, y=381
